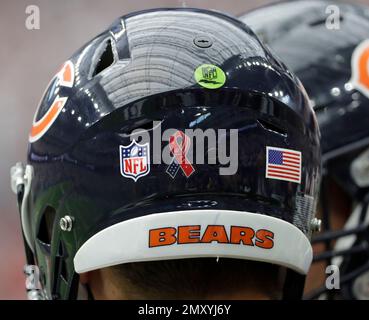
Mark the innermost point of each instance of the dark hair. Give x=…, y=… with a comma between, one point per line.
x=196, y=278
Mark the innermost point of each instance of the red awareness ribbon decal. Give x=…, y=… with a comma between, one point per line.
x=179, y=144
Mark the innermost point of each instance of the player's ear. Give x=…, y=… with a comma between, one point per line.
x=84, y=278
x=84, y=290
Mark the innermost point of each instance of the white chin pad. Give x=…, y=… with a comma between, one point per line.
x=194, y=234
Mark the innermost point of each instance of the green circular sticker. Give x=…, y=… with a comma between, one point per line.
x=210, y=76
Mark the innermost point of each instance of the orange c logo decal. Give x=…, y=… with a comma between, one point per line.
x=360, y=68
x=66, y=79
x=66, y=74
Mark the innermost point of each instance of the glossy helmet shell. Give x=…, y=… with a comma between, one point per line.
x=141, y=70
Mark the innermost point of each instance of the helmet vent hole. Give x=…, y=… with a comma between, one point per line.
x=61, y=250
x=45, y=229
x=62, y=256
x=63, y=270
x=272, y=127
x=106, y=59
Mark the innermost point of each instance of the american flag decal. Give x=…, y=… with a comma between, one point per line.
x=283, y=164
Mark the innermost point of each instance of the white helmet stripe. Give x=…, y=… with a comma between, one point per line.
x=188, y=234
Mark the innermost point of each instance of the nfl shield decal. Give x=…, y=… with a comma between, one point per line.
x=134, y=160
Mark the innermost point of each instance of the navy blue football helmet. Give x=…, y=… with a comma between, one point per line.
x=326, y=44
x=94, y=194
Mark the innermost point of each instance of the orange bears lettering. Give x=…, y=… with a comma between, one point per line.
x=238, y=235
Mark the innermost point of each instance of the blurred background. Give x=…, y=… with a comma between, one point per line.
x=28, y=60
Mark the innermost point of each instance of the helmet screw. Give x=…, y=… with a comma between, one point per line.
x=66, y=223
x=203, y=41
x=316, y=225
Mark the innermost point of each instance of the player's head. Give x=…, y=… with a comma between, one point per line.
x=326, y=44
x=100, y=204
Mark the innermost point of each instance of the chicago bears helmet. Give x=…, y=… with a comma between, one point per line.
x=326, y=44
x=94, y=192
